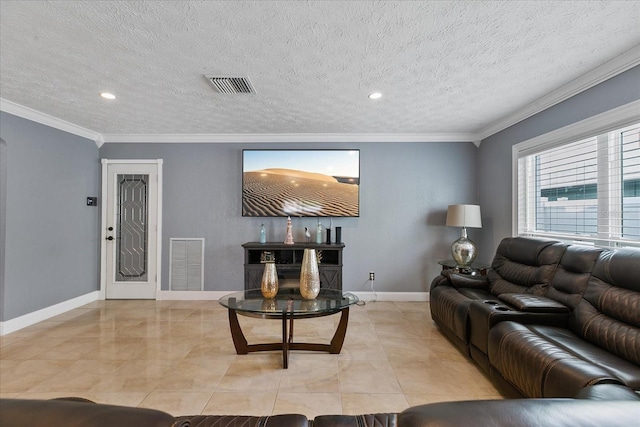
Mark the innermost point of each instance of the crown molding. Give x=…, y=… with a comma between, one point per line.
x=604, y=122
x=100, y=139
x=287, y=138
x=612, y=68
x=47, y=120
x=617, y=65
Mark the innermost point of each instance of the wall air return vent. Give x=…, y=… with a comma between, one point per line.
x=186, y=268
x=231, y=84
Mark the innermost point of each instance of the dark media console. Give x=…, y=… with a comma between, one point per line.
x=288, y=259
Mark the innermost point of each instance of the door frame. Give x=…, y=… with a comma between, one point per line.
x=104, y=216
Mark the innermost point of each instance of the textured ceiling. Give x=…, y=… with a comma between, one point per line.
x=442, y=66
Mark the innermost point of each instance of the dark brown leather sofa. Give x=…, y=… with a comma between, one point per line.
x=549, y=319
x=603, y=405
x=520, y=266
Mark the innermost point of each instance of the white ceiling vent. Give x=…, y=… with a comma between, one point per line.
x=231, y=84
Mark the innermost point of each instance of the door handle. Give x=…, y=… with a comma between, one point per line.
x=110, y=238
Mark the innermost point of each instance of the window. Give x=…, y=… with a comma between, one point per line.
x=584, y=189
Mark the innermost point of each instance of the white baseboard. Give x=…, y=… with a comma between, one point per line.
x=191, y=295
x=364, y=296
x=34, y=317
x=392, y=296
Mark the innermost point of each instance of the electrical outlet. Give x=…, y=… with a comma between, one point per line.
x=372, y=275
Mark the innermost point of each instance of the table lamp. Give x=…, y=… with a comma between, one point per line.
x=463, y=249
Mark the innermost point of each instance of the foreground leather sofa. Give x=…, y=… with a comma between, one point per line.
x=607, y=405
x=75, y=412
x=549, y=319
x=523, y=413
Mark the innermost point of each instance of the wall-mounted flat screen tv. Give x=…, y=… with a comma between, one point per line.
x=301, y=183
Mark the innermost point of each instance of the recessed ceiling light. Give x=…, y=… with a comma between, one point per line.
x=375, y=95
x=107, y=95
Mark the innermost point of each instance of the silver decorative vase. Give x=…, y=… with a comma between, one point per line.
x=463, y=250
x=310, y=305
x=269, y=284
x=309, y=275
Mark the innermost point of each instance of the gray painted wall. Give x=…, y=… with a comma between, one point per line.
x=51, y=242
x=494, y=159
x=404, y=193
x=3, y=222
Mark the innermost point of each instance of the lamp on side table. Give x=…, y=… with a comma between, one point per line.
x=463, y=250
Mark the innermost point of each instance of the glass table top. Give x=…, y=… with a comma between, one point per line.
x=289, y=300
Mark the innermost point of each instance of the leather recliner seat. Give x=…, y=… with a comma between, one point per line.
x=600, y=343
x=563, y=294
x=521, y=265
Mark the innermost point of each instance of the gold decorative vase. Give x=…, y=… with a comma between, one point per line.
x=269, y=284
x=269, y=304
x=309, y=275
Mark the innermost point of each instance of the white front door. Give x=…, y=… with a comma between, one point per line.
x=130, y=262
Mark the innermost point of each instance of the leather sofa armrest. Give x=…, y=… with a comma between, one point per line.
x=522, y=413
x=463, y=281
x=282, y=420
x=484, y=315
x=533, y=303
x=369, y=420
x=607, y=392
x=74, y=399
x=73, y=413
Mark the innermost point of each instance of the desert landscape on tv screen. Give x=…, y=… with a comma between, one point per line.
x=301, y=183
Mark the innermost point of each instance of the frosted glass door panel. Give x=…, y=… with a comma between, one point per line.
x=132, y=228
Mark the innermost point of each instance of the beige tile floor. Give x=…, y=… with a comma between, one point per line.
x=177, y=356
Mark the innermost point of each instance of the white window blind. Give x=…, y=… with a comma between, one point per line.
x=586, y=190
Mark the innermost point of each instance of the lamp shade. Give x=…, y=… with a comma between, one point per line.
x=464, y=216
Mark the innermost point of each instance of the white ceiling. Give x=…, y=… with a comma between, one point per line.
x=453, y=68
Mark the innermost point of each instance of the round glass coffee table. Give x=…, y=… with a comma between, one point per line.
x=287, y=306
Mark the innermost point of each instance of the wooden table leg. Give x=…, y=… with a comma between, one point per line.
x=341, y=332
x=242, y=347
x=239, y=340
x=285, y=341
x=290, y=329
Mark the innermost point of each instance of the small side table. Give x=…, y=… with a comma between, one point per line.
x=475, y=269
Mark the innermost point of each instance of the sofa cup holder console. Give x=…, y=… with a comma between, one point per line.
x=496, y=305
